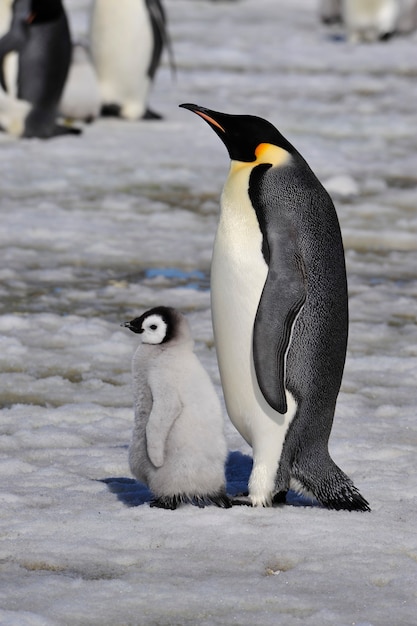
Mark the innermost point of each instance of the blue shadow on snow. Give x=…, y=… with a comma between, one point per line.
x=238, y=468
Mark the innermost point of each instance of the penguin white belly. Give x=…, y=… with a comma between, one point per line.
x=121, y=47
x=369, y=19
x=237, y=278
x=81, y=98
x=11, y=60
x=13, y=113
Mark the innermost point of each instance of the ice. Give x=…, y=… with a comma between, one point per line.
x=98, y=228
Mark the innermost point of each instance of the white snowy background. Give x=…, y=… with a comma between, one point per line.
x=98, y=228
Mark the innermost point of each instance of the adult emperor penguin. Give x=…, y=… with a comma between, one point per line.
x=370, y=20
x=280, y=314
x=178, y=446
x=330, y=11
x=39, y=33
x=81, y=97
x=127, y=38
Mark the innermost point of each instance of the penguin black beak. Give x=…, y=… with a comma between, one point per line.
x=239, y=133
x=132, y=327
x=206, y=114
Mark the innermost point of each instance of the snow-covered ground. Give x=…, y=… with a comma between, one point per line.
x=95, y=229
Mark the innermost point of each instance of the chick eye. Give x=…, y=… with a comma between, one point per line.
x=153, y=327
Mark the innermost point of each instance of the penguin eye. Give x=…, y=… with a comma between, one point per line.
x=153, y=327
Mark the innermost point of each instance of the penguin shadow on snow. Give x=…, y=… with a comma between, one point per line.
x=133, y=493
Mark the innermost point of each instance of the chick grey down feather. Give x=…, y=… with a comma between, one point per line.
x=178, y=446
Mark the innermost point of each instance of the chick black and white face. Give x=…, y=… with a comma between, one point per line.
x=158, y=325
x=154, y=329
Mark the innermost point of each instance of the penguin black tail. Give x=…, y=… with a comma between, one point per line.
x=331, y=487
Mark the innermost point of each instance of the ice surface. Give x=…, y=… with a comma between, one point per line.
x=95, y=229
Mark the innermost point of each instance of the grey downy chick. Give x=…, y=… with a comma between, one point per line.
x=178, y=446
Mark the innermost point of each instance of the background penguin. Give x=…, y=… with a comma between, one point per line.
x=178, y=447
x=407, y=18
x=370, y=20
x=81, y=97
x=13, y=112
x=330, y=11
x=127, y=38
x=280, y=317
x=40, y=34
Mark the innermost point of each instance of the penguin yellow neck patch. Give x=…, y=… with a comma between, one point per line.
x=268, y=153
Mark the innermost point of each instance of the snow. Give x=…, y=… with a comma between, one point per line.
x=98, y=228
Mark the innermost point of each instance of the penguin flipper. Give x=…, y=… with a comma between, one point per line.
x=165, y=410
x=284, y=292
x=11, y=42
x=161, y=37
x=282, y=299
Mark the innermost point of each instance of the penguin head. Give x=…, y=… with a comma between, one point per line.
x=159, y=325
x=45, y=11
x=247, y=138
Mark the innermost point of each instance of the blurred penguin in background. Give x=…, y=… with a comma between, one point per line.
x=330, y=11
x=407, y=17
x=39, y=34
x=13, y=112
x=370, y=20
x=127, y=38
x=81, y=97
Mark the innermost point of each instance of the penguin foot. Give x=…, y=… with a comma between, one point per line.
x=110, y=110
x=221, y=500
x=60, y=129
x=241, y=500
x=151, y=115
x=165, y=502
x=57, y=130
x=279, y=498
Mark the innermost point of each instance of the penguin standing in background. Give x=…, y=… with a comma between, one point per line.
x=330, y=11
x=13, y=112
x=280, y=313
x=81, y=97
x=5, y=15
x=127, y=38
x=178, y=446
x=370, y=20
x=39, y=33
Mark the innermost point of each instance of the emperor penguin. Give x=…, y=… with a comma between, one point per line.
x=81, y=96
x=39, y=33
x=330, y=11
x=370, y=20
x=127, y=38
x=280, y=313
x=178, y=446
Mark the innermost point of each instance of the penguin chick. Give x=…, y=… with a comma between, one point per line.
x=280, y=312
x=178, y=446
